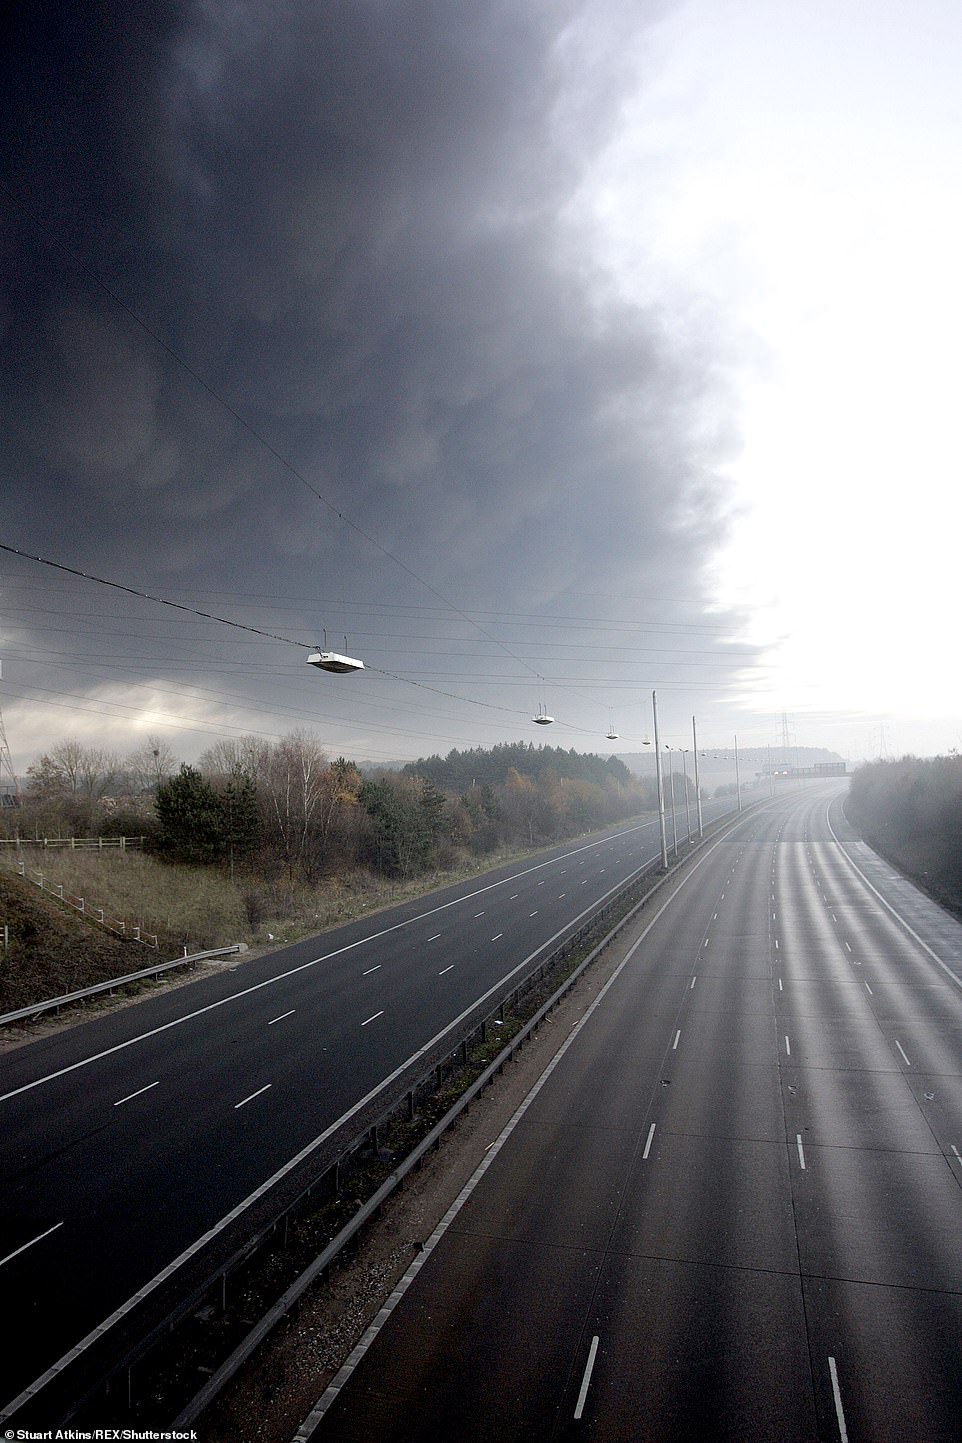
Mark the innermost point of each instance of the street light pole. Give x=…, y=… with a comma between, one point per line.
x=738, y=787
x=694, y=747
x=684, y=764
x=671, y=789
x=661, y=789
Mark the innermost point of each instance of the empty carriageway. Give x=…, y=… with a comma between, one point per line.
x=131, y=1141
x=724, y=1212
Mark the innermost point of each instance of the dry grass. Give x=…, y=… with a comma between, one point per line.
x=181, y=905
x=200, y=907
x=54, y=950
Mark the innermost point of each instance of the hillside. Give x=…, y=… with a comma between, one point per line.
x=52, y=952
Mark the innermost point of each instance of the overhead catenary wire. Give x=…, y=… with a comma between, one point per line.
x=235, y=414
x=240, y=625
x=344, y=518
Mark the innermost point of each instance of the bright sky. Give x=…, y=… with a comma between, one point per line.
x=580, y=319
x=806, y=163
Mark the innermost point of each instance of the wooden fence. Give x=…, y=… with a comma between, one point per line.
x=78, y=844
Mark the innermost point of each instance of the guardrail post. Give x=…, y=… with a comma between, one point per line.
x=410, y=1105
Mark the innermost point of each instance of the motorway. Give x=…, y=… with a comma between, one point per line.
x=130, y=1141
x=732, y=1207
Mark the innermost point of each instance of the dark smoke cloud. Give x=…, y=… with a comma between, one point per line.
x=352, y=222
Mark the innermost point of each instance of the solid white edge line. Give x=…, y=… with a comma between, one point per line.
x=801, y=1150
x=24, y=1246
x=839, y=1411
x=651, y=1133
x=120, y=1101
x=887, y=905
x=253, y=1095
x=326, y=957
x=340, y=1379
x=586, y=1380
x=305, y=1152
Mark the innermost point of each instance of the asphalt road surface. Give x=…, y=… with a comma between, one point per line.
x=732, y=1209
x=126, y=1141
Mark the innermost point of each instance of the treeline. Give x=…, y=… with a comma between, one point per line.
x=911, y=811
x=479, y=767
x=283, y=809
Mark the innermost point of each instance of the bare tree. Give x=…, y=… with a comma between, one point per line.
x=245, y=756
x=72, y=770
x=292, y=783
x=151, y=764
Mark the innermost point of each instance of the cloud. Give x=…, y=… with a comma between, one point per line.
x=357, y=225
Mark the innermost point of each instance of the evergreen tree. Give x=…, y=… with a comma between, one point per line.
x=241, y=821
x=191, y=817
x=399, y=824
